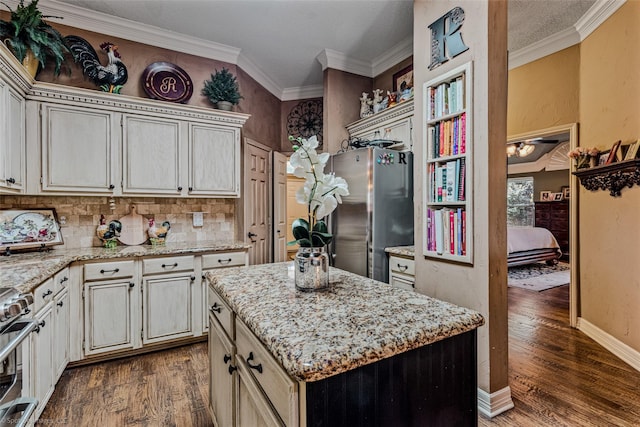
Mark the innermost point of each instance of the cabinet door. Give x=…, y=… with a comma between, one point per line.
x=42, y=360
x=151, y=156
x=252, y=407
x=109, y=312
x=61, y=333
x=78, y=150
x=167, y=308
x=222, y=375
x=12, y=141
x=214, y=160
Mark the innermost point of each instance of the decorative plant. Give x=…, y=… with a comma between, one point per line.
x=27, y=31
x=582, y=155
x=223, y=86
x=321, y=193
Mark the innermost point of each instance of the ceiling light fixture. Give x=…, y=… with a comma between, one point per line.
x=519, y=149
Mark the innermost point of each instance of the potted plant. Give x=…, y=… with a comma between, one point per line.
x=31, y=39
x=222, y=90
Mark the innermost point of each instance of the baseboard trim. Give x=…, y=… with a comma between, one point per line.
x=495, y=403
x=615, y=346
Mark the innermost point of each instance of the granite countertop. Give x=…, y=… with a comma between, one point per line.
x=355, y=322
x=405, y=251
x=27, y=270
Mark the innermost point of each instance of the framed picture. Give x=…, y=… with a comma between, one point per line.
x=603, y=158
x=32, y=228
x=632, y=151
x=557, y=197
x=613, y=153
x=545, y=196
x=403, y=76
x=565, y=192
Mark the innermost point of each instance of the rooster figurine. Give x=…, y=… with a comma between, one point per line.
x=108, y=233
x=110, y=77
x=158, y=233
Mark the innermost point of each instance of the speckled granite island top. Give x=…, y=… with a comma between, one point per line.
x=25, y=271
x=356, y=322
x=405, y=251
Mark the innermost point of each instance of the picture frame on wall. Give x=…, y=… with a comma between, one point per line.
x=565, y=192
x=603, y=157
x=545, y=196
x=404, y=75
x=557, y=197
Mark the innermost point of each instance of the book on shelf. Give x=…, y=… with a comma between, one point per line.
x=632, y=151
x=446, y=231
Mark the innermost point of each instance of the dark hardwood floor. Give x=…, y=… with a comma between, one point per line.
x=558, y=377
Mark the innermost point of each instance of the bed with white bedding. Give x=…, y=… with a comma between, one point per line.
x=526, y=245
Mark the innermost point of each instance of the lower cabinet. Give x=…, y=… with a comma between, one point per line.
x=223, y=375
x=61, y=325
x=42, y=361
x=402, y=272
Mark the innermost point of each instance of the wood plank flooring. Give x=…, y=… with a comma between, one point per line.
x=558, y=377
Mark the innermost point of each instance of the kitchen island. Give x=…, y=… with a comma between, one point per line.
x=360, y=353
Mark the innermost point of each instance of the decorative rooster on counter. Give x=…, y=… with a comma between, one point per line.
x=158, y=233
x=110, y=77
x=109, y=233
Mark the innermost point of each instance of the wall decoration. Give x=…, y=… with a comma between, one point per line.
x=33, y=228
x=167, y=82
x=446, y=38
x=403, y=76
x=305, y=120
x=110, y=77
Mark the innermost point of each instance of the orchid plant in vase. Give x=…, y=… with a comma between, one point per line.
x=321, y=193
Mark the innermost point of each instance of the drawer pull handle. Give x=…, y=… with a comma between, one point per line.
x=216, y=308
x=64, y=279
x=174, y=265
x=46, y=294
x=402, y=267
x=11, y=180
x=231, y=369
x=224, y=261
x=115, y=270
x=226, y=358
x=257, y=367
x=60, y=304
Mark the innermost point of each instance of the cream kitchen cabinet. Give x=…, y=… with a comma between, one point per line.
x=42, y=369
x=62, y=322
x=111, y=307
x=402, y=272
x=169, y=299
x=223, y=375
x=12, y=140
x=395, y=123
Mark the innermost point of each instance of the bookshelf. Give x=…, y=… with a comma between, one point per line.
x=448, y=166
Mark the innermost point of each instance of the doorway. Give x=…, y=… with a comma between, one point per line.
x=571, y=131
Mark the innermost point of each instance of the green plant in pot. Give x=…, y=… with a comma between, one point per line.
x=30, y=38
x=222, y=90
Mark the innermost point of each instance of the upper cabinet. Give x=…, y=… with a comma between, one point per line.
x=394, y=123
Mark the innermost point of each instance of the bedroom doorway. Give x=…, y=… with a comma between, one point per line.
x=543, y=154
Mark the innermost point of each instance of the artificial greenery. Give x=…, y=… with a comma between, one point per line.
x=222, y=87
x=27, y=31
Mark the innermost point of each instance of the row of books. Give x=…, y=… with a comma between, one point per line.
x=447, y=181
x=446, y=98
x=448, y=137
x=447, y=231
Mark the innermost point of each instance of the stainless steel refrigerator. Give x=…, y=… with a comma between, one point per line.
x=378, y=213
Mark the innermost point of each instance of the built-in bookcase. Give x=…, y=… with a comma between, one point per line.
x=448, y=166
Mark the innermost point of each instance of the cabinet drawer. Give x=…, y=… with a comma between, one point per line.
x=222, y=312
x=225, y=259
x=167, y=264
x=109, y=270
x=42, y=295
x=61, y=280
x=280, y=389
x=402, y=282
x=402, y=265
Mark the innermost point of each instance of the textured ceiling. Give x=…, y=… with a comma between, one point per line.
x=282, y=38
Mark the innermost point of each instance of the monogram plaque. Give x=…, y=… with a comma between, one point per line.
x=167, y=82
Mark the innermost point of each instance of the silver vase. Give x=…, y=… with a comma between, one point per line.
x=311, y=269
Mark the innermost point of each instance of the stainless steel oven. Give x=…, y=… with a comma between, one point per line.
x=15, y=407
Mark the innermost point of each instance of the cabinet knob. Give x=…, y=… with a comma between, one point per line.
x=226, y=358
x=257, y=367
x=111, y=187
x=190, y=188
x=40, y=325
x=131, y=284
x=231, y=369
x=193, y=278
x=11, y=180
x=215, y=308
x=179, y=188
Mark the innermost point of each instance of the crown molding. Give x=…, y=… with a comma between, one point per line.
x=590, y=21
x=393, y=56
x=302, y=92
x=329, y=58
x=258, y=75
x=596, y=15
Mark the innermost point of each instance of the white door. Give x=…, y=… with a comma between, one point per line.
x=256, y=206
x=167, y=308
x=279, y=207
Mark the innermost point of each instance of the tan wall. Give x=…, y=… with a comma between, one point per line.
x=544, y=93
x=83, y=216
x=609, y=227
x=481, y=286
x=384, y=80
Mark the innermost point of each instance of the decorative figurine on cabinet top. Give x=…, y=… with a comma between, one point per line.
x=365, y=105
x=158, y=234
x=110, y=77
x=379, y=103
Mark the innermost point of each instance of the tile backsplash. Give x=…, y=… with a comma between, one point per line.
x=79, y=216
